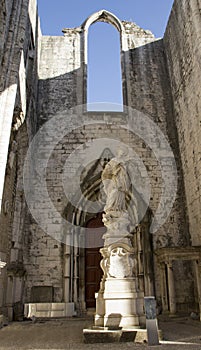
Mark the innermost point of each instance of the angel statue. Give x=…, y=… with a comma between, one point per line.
x=116, y=183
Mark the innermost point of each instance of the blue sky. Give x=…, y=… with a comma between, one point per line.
x=104, y=84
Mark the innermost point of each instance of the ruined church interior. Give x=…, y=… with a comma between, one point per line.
x=84, y=230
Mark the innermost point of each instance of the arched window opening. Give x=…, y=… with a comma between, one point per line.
x=104, y=78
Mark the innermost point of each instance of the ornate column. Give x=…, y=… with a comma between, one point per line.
x=171, y=288
x=119, y=303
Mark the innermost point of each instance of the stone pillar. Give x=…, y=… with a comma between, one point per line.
x=81, y=271
x=163, y=285
x=171, y=288
x=69, y=305
x=67, y=274
x=9, y=296
x=75, y=276
x=198, y=280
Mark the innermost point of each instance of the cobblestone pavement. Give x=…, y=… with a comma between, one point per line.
x=180, y=333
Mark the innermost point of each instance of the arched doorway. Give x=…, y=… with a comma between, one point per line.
x=93, y=271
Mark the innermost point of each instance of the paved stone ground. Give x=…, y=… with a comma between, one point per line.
x=67, y=334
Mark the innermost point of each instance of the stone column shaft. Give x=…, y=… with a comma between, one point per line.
x=171, y=289
x=163, y=288
x=198, y=280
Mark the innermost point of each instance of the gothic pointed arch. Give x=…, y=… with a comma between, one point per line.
x=110, y=18
x=103, y=16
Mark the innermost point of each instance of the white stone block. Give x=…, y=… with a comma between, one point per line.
x=49, y=310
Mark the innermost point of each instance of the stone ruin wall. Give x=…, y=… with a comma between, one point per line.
x=61, y=78
x=20, y=35
x=182, y=46
x=148, y=90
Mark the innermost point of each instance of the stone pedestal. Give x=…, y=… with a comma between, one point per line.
x=120, y=305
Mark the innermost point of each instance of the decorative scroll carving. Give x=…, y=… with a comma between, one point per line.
x=118, y=261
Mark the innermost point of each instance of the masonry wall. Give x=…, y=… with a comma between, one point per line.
x=44, y=255
x=58, y=74
x=146, y=88
x=149, y=91
x=182, y=46
x=18, y=86
x=44, y=77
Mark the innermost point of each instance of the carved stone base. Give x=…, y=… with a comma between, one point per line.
x=120, y=305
